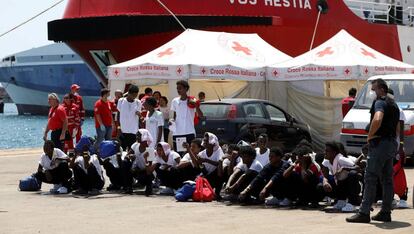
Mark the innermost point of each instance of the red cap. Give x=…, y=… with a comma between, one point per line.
x=75, y=86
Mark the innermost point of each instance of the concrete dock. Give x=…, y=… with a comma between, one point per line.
x=40, y=212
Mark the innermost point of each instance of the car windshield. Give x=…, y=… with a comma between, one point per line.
x=215, y=110
x=403, y=94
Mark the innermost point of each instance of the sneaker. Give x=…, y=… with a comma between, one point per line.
x=358, y=218
x=327, y=200
x=55, y=188
x=339, y=205
x=230, y=197
x=167, y=191
x=272, y=201
x=402, y=204
x=348, y=208
x=94, y=192
x=382, y=216
x=80, y=192
x=379, y=203
x=62, y=190
x=285, y=202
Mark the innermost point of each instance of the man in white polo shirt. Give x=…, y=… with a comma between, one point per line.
x=129, y=116
x=184, y=108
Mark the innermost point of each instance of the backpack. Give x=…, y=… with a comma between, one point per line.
x=107, y=149
x=30, y=183
x=85, y=141
x=400, y=181
x=203, y=191
x=185, y=192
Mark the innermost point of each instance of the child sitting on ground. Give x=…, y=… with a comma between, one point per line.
x=244, y=172
x=262, y=152
x=230, y=159
x=53, y=169
x=88, y=173
x=187, y=168
x=270, y=180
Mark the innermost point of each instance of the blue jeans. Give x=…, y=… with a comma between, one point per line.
x=381, y=153
x=103, y=135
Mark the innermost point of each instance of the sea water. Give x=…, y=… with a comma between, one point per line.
x=26, y=131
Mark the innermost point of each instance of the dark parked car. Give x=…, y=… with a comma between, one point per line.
x=233, y=120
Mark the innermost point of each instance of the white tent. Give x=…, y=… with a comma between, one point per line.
x=199, y=54
x=342, y=57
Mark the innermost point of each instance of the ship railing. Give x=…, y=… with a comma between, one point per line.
x=370, y=11
x=410, y=12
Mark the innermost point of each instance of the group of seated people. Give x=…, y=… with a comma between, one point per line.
x=244, y=173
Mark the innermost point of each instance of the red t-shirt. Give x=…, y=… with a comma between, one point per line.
x=57, y=115
x=346, y=105
x=313, y=168
x=105, y=111
x=79, y=102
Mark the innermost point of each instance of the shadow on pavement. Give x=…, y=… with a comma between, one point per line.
x=391, y=225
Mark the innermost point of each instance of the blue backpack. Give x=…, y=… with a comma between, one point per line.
x=107, y=149
x=185, y=192
x=30, y=183
x=85, y=141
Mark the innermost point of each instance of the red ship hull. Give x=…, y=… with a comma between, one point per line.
x=115, y=25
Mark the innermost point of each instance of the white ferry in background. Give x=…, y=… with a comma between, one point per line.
x=30, y=75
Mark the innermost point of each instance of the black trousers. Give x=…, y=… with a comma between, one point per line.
x=60, y=175
x=188, y=173
x=127, y=139
x=249, y=177
x=305, y=191
x=116, y=175
x=88, y=181
x=215, y=181
x=141, y=175
x=166, y=133
x=169, y=178
x=55, y=137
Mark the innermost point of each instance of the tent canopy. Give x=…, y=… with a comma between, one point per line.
x=341, y=57
x=202, y=54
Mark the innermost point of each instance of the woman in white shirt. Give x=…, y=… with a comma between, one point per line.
x=53, y=168
x=165, y=164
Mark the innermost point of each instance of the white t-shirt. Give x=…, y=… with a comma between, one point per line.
x=128, y=118
x=262, y=158
x=170, y=161
x=152, y=123
x=216, y=156
x=226, y=162
x=139, y=161
x=256, y=166
x=50, y=164
x=184, y=121
x=94, y=161
x=339, y=162
x=114, y=161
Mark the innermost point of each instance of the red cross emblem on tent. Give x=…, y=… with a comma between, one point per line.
x=203, y=71
x=238, y=47
x=366, y=71
x=412, y=71
x=179, y=70
x=275, y=73
x=116, y=72
x=326, y=51
x=367, y=53
x=166, y=52
x=347, y=71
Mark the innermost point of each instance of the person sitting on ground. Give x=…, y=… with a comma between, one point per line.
x=304, y=174
x=270, y=180
x=154, y=121
x=210, y=161
x=165, y=164
x=114, y=168
x=244, y=172
x=87, y=172
x=138, y=160
x=188, y=170
x=262, y=152
x=341, y=178
x=230, y=160
x=53, y=168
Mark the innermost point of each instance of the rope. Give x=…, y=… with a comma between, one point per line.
x=314, y=30
x=32, y=18
x=171, y=13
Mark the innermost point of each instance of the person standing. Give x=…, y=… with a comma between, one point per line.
x=57, y=122
x=129, y=117
x=72, y=113
x=165, y=110
x=349, y=101
x=154, y=121
x=115, y=113
x=382, y=133
x=74, y=89
x=103, y=118
x=184, y=108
